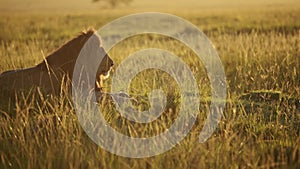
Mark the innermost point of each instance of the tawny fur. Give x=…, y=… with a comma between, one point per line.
x=55, y=72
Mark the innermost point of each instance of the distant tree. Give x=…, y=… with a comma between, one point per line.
x=114, y=3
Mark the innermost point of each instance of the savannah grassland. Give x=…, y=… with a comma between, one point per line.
x=258, y=44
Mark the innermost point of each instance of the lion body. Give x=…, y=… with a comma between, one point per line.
x=54, y=74
x=29, y=78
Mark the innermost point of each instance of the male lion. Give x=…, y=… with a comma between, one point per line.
x=54, y=74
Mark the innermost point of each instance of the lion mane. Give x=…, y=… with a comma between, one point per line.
x=54, y=74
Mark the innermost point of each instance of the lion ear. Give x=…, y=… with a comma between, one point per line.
x=91, y=29
x=89, y=32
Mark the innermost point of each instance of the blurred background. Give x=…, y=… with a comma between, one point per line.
x=136, y=5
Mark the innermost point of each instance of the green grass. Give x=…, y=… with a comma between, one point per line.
x=260, y=51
